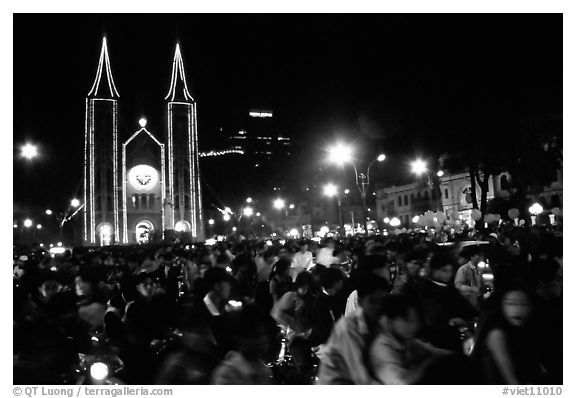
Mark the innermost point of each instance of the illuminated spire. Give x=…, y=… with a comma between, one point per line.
x=104, y=65
x=178, y=87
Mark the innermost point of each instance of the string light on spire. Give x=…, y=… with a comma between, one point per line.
x=178, y=72
x=104, y=63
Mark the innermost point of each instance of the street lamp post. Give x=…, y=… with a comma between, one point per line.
x=419, y=167
x=331, y=190
x=343, y=154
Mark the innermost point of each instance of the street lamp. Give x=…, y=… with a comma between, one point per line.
x=49, y=212
x=419, y=167
x=211, y=221
x=27, y=223
x=341, y=154
x=535, y=210
x=74, y=203
x=29, y=151
x=248, y=211
x=226, y=217
x=330, y=190
x=39, y=226
x=248, y=200
x=279, y=204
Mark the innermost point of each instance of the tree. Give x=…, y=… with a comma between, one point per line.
x=529, y=148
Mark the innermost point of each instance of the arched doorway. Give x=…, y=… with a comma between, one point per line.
x=105, y=231
x=144, y=230
x=182, y=226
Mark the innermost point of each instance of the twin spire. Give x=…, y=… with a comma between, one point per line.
x=104, y=64
x=178, y=86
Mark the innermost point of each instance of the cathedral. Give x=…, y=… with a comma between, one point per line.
x=149, y=185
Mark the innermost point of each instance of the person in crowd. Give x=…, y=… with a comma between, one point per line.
x=223, y=261
x=507, y=348
x=293, y=312
x=245, y=277
x=325, y=255
x=468, y=278
x=244, y=365
x=264, y=269
x=397, y=356
x=286, y=253
x=280, y=282
x=328, y=306
x=302, y=260
x=194, y=358
x=344, y=359
x=146, y=317
x=444, y=309
x=91, y=302
x=220, y=284
x=264, y=262
x=410, y=279
x=376, y=265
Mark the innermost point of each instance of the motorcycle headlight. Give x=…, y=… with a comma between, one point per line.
x=99, y=371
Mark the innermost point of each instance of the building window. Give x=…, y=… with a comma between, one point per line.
x=426, y=196
x=151, y=201
x=412, y=198
x=135, y=202
x=399, y=201
x=419, y=196
x=446, y=193
x=405, y=200
x=555, y=201
x=433, y=194
x=383, y=208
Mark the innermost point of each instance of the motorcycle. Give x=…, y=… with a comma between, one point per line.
x=102, y=366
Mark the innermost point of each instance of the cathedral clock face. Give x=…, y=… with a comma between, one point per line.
x=143, y=177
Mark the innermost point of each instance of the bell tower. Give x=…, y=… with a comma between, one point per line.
x=101, y=183
x=183, y=205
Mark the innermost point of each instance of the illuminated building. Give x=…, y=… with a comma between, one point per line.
x=143, y=188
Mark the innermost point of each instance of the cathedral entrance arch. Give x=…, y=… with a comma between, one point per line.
x=105, y=231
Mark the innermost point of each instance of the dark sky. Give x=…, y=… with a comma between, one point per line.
x=386, y=82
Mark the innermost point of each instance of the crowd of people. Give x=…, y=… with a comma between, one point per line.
x=396, y=309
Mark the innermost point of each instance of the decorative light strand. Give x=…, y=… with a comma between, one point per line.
x=115, y=171
x=92, y=215
x=191, y=173
x=86, y=147
x=170, y=165
x=163, y=187
x=104, y=60
x=200, y=227
x=178, y=68
x=124, y=208
x=220, y=153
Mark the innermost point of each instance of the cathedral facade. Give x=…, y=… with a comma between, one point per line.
x=149, y=185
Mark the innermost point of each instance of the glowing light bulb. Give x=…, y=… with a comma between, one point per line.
x=142, y=122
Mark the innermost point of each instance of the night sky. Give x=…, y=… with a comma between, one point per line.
x=387, y=83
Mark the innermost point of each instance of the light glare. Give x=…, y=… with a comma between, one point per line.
x=340, y=153
x=330, y=190
x=29, y=151
x=279, y=204
x=419, y=166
